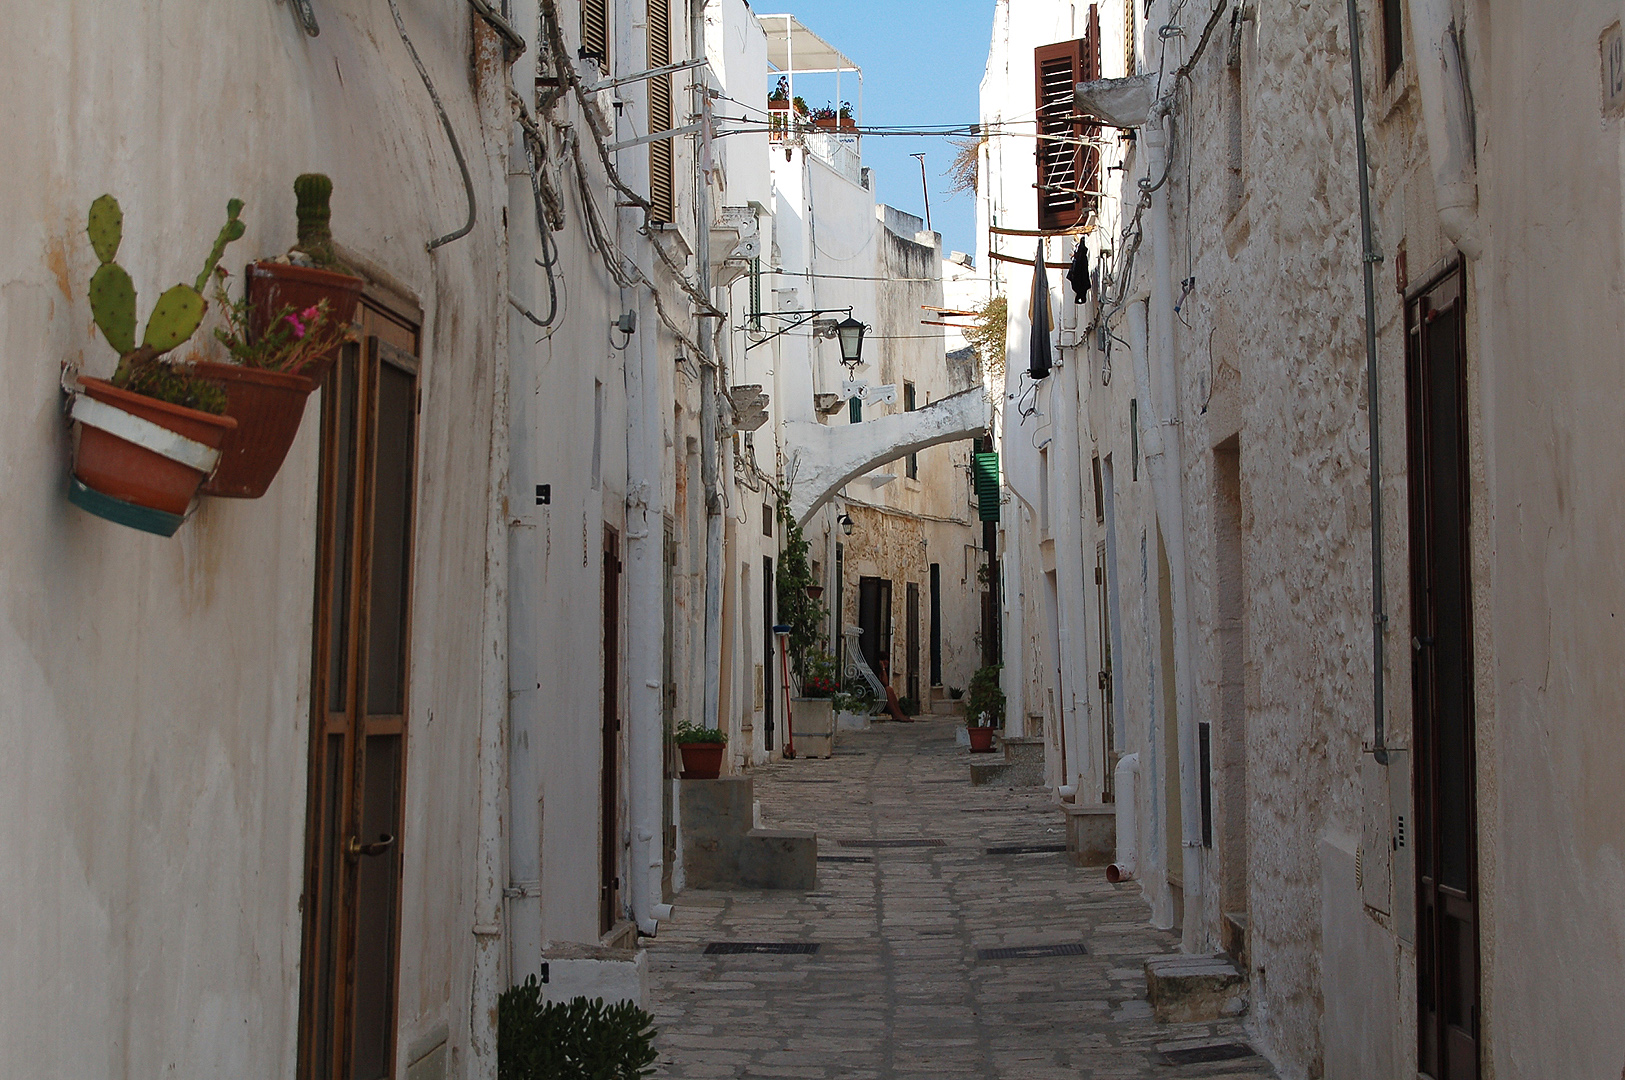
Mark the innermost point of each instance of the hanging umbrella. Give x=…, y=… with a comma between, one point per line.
x=1038, y=313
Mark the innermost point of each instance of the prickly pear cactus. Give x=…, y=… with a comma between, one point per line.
x=232, y=230
x=112, y=304
x=106, y=227
x=174, y=319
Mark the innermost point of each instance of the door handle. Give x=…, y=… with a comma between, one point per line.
x=1417, y=644
x=356, y=848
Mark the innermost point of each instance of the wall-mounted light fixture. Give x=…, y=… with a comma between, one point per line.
x=847, y=524
x=850, y=333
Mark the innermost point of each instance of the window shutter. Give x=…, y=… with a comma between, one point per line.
x=985, y=475
x=1068, y=172
x=595, y=32
x=662, y=167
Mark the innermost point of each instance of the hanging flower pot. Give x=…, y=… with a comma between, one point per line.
x=268, y=407
x=275, y=287
x=152, y=434
x=140, y=460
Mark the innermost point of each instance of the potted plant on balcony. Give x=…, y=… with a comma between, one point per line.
x=282, y=336
x=701, y=749
x=984, y=709
x=844, y=121
x=151, y=434
x=813, y=712
x=778, y=100
x=824, y=118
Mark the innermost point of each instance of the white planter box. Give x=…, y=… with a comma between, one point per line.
x=812, y=723
x=851, y=721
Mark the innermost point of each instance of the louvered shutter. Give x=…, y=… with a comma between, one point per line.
x=985, y=475
x=1068, y=172
x=595, y=32
x=662, y=166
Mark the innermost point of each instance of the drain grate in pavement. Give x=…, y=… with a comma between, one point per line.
x=891, y=843
x=846, y=858
x=1030, y=952
x=777, y=948
x=807, y=780
x=1026, y=849
x=1195, y=1055
x=944, y=780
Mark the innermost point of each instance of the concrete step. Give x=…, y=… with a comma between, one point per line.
x=1194, y=989
x=948, y=707
x=722, y=848
x=1091, y=833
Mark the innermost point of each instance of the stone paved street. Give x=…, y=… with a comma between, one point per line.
x=897, y=987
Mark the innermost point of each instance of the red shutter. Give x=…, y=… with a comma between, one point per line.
x=1067, y=170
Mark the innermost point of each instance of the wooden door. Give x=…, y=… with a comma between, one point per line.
x=772, y=664
x=911, y=640
x=609, y=777
x=1103, y=675
x=874, y=618
x=1442, y=686
x=359, y=694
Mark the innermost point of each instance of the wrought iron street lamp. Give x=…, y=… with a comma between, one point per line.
x=849, y=332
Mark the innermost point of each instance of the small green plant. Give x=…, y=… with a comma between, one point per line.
x=955, y=693
x=312, y=194
x=909, y=706
x=819, y=678
x=292, y=340
x=575, y=1040
x=174, y=319
x=987, y=334
x=801, y=613
x=781, y=90
x=855, y=697
x=984, y=707
x=689, y=733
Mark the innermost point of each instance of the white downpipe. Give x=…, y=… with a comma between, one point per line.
x=1067, y=528
x=490, y=869
x=709, y=388
x=1166, y=471
x=524, y=891
x=1014, y=676
x=645, y=624
x=1447, y=116
x=1127, y=786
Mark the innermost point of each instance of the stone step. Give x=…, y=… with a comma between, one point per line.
x=948, y=707
x=723, y=848
x=1091, y=833
x=1194, y=989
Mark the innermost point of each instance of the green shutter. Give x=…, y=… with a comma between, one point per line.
x=985, y=473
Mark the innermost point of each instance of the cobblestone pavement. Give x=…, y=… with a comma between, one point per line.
x=898, y=987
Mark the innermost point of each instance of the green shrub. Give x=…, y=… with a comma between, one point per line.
x=688, y=733
x=984, y=705
x=578, y=1040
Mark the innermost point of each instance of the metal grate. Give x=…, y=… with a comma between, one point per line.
x=1026, y=849
x=1195, y=1055
x=847, y=858
x=775, y=948
x=891, y=843
x=1031, y=952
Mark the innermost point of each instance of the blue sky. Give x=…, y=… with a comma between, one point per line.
x=922, y=62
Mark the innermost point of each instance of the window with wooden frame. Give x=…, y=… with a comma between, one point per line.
x=1068, y=164
x=595, y=32
x=662, y=165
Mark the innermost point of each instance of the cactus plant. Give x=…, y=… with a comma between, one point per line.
x=312, y=193
x=174, y=319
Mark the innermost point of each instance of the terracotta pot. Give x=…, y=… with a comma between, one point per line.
x=274, y=286
x=777, y=106
x=701, y=760
x=825, y=123
x=133, y=474
x=268, y=406
x=981, y=740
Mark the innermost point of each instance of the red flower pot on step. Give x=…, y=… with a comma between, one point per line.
x=275, y=286
x=701, y=761
x=268, y=407
x=135, y=473
x=981, y=740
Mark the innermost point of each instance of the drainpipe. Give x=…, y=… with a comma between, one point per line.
x=1067, y=523
x=491, y=89
x=709, y=387
x=1368, y=260
x=1447, y=115
x=1127, y=786
x=1166, y=471
x=645, y=533
x=1014, y=675
x=524, y=886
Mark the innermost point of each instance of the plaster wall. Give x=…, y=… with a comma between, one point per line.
x=157, y=690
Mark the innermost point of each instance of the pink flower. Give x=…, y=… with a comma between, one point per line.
x=298, y=327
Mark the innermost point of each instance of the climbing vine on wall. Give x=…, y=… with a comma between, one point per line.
x=801, y=613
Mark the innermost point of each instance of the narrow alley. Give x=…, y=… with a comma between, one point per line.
x=892, y=966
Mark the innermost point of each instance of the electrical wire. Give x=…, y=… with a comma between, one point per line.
x=445, y=121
